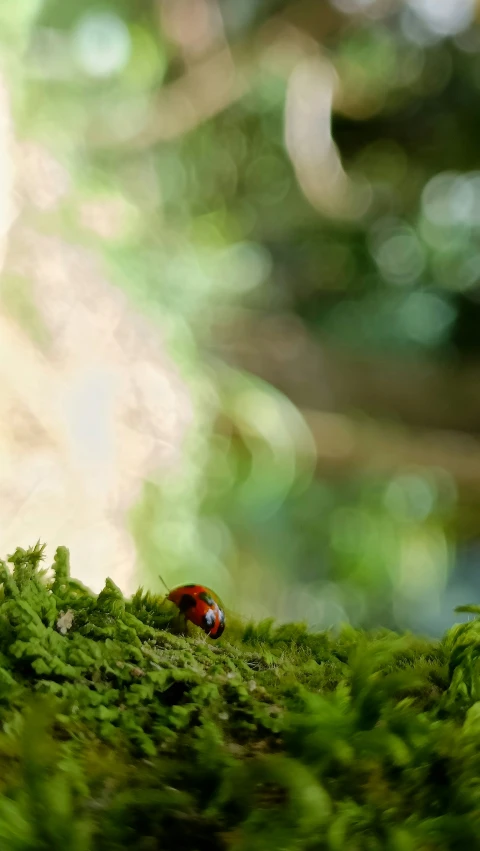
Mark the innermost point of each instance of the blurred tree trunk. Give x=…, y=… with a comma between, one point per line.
x=366, y=413
x=417, y=392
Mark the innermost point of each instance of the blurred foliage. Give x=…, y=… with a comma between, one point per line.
x=200, y=210
x=120, y=732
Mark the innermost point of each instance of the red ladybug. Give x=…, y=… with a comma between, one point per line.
x=199, y=606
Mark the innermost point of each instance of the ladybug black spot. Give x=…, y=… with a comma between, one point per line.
x=206, y=598
x=187, y=602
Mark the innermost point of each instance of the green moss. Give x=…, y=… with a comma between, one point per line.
x=120, y=732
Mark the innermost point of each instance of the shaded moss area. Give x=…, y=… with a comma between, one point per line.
x=119, y=732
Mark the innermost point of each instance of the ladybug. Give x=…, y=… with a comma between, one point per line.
x=199, y=606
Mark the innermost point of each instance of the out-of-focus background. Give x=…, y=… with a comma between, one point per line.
x=240, y=299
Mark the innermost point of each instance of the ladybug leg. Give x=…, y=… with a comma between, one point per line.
x=185, y=605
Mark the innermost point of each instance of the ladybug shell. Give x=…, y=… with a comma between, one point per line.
x=200, y=607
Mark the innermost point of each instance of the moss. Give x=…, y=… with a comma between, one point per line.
x=119, y=732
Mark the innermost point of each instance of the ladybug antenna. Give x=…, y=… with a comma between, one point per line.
x=166, y=586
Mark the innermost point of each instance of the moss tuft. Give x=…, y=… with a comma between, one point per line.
x=119, y=732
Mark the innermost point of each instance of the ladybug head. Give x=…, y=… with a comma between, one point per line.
x=214, y=622
x=209, y=621
x=218, y=629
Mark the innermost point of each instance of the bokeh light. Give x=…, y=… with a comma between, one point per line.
x=101, y=44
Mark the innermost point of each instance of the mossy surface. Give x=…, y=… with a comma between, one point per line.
x=118, y=732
